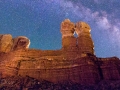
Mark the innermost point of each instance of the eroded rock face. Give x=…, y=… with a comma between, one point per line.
x=5, y=43
x=66, y=64
x=67, y=28
x=69, y=42
x=8, y=48
x=20, y=42
x=81, y=28
x=85, y=43
x=82, y=44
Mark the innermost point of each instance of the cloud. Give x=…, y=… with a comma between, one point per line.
x=111, y=27
x=103, y=22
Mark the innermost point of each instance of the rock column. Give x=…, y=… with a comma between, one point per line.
x=85, y=43
x=68, y=39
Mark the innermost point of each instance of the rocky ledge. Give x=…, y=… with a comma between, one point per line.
x=29, y=83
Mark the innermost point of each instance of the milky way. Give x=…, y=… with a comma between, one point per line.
x=40, y=21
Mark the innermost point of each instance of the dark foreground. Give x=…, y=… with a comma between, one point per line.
x=28, y=83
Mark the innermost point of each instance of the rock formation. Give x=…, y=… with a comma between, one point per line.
x=85, y=43
x=8, y=47
x=69, y=42
x=75, y=61
x=5, y=43
x=20, y=42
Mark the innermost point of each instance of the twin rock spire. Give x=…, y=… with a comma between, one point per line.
x=83, y=43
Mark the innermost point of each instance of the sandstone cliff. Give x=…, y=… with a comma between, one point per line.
x=75, y=61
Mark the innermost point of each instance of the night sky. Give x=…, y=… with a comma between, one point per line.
x=40, y=20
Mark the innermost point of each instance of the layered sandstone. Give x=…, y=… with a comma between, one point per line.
x=74, y=62
x=5, y=43
x=69, y=42
x=9, y=47
x=20, y=42
x=85, y=43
